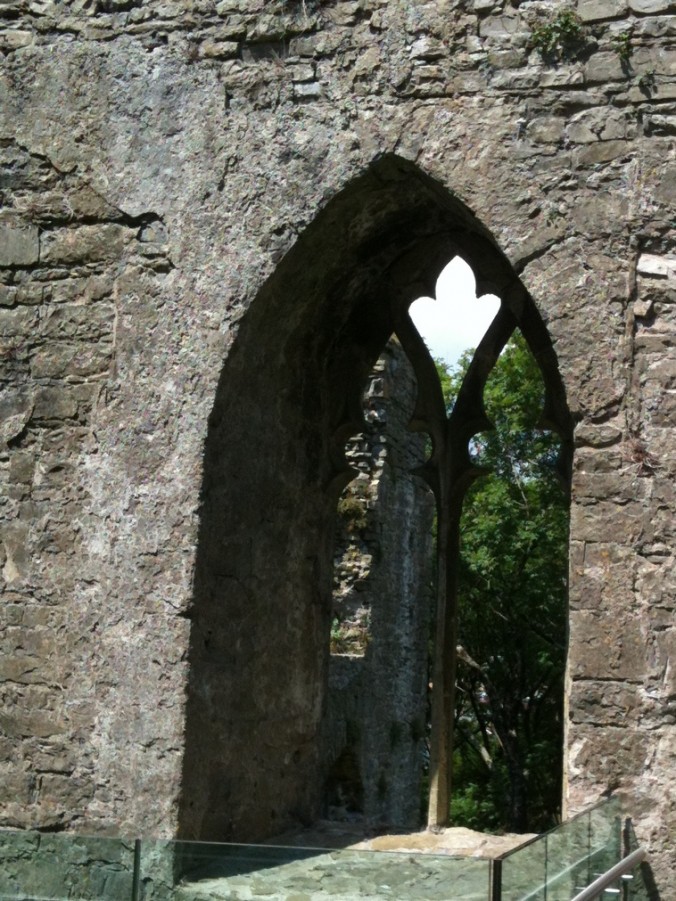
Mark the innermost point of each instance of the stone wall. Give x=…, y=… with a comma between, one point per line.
x=160, y=161
x=69, y=258
x=383, y=570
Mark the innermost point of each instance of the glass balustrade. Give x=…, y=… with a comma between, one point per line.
x=187, y=871
x=38, y=866
x=555, y=866
x=51, y=867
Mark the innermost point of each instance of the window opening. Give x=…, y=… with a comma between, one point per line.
x=505, y=702
x=357, y=541
x=461, y=431
x=256, y=708
x=511, y=611
x=455, y=319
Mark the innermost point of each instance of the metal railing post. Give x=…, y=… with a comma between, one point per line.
x=495, y=893
x=136, y=880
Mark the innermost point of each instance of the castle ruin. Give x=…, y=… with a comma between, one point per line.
x=207, y=207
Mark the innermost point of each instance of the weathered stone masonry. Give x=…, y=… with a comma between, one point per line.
x=379, y=669
x=179, y=342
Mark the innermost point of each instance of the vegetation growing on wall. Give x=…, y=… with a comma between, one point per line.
x=560, y=37
x=623, y=47
x=353, y=508
x=351, y=637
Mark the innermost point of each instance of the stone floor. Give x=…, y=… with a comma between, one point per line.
x=345, y=865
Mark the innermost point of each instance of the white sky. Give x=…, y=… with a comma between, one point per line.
x=456, y=319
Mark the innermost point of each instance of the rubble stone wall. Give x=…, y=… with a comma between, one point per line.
x=382, y=591
x=160, y=160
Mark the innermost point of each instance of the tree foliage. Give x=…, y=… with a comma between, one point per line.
x=512, y=609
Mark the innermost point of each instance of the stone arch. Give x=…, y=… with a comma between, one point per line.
x=288, y=397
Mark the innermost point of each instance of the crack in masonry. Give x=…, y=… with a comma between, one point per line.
x=121, y=216
x=540, y=252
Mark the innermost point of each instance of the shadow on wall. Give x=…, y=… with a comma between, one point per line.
x=379, y=669
x=288, y=398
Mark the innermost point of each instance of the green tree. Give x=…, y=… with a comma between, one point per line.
x=512, y=609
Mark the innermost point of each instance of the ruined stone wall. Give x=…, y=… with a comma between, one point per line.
x=378, y=671
x=159, y=161
x=62, y=367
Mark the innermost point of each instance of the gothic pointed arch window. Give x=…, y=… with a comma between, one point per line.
x=461, y=454
x=498, y=428
x=289, y=396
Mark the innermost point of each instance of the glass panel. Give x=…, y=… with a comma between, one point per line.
x=558, y=865
x=567, y=859
x=51, y=867
x=186, y=871
x=605, y=829
x=637, y=883
x=524, y=873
